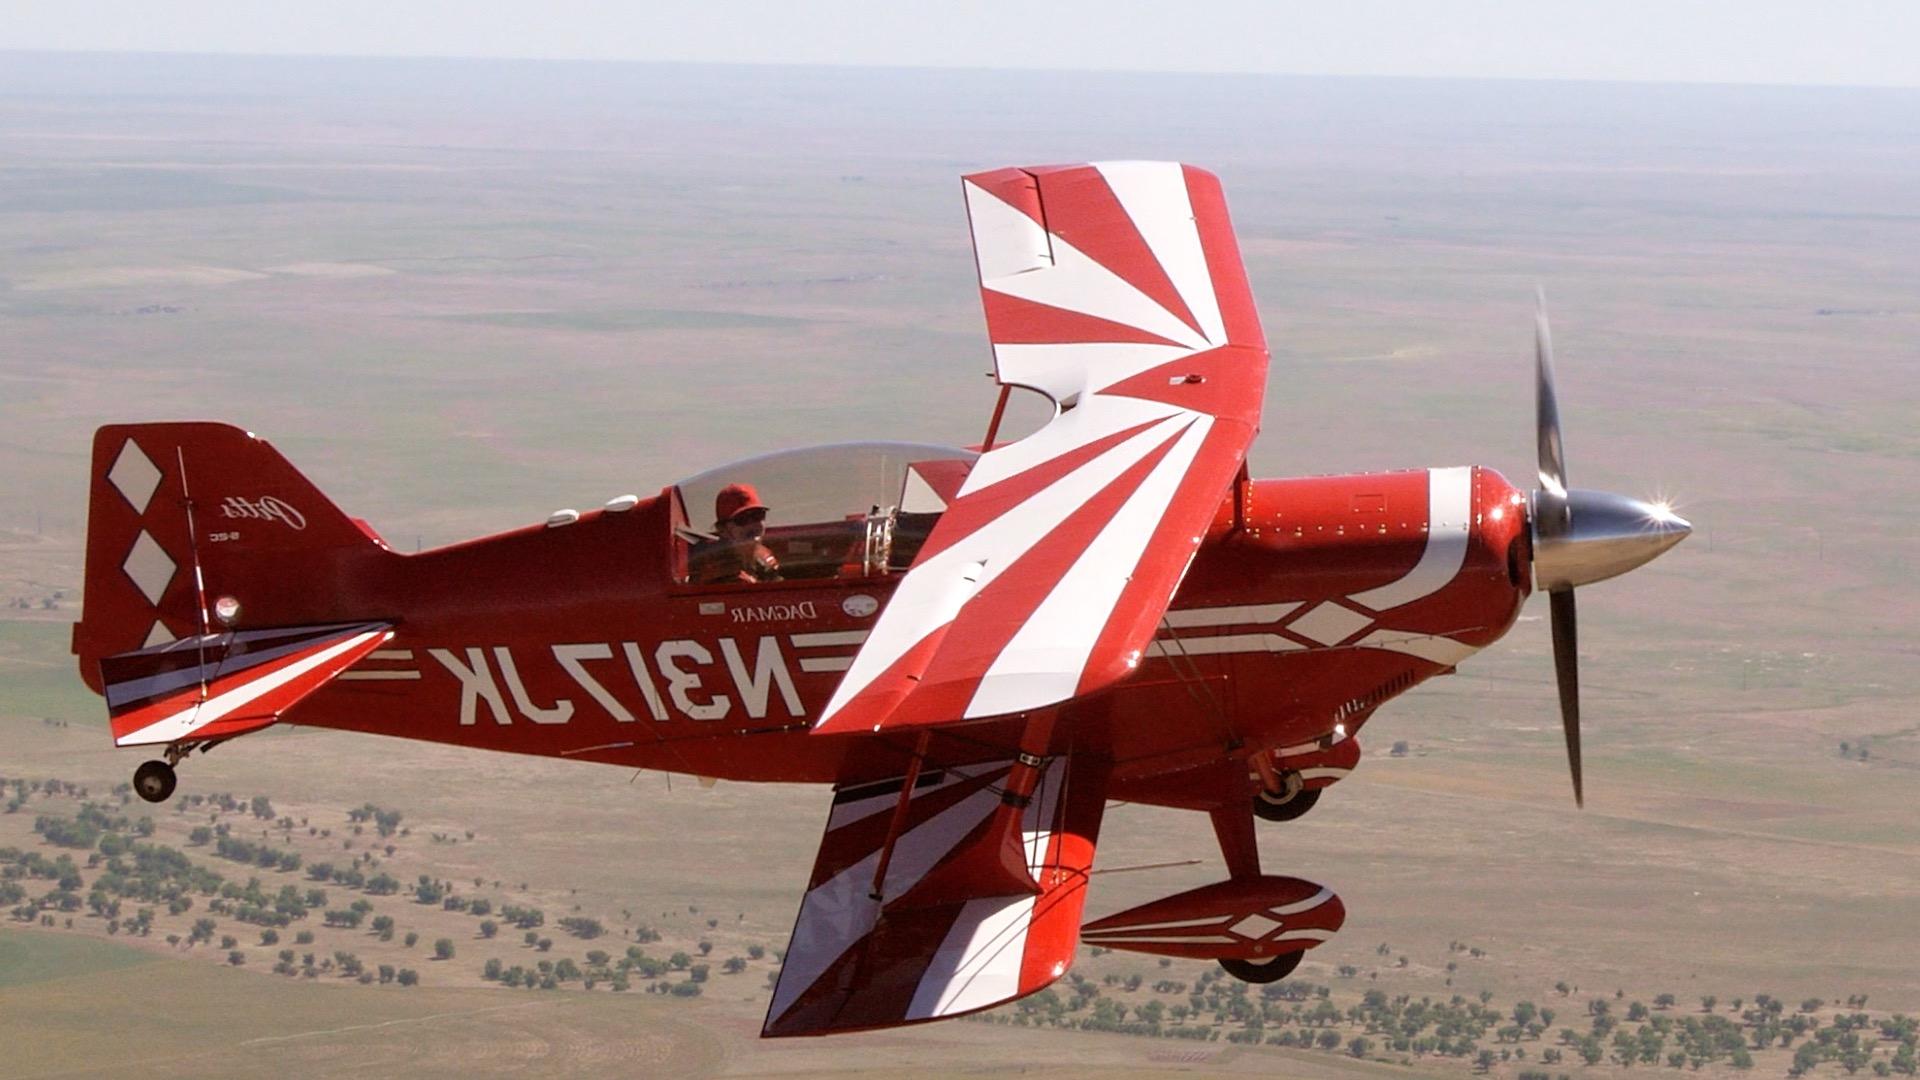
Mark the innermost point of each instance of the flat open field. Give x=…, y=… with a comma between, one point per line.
x=459, y=295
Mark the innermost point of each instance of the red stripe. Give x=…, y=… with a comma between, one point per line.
x=1054, y=930
x=1229, y=273
x=1233, y=380
x=870, y=707
x=989, y=622
x=1012, y=320
x=127, y=723
x=847, y=845
x=978, y=508
x=1081, y=209
x=1015, y=187
x=1131, y=623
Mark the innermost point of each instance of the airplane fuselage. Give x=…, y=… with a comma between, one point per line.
x=1311, y=602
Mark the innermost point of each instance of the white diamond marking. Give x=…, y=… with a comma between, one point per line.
x=135, y=476
x=1329, y=623
x=159, y=635
x=149, y=567
x=1255, y=926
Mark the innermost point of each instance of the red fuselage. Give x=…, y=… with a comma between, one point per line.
x=1311, y=602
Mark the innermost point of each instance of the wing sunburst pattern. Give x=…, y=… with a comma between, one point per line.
x=856, y=963
x=1117, y=291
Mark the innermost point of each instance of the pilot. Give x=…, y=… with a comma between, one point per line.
x=736, y=553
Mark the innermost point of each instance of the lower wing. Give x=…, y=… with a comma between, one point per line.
x=951, y=890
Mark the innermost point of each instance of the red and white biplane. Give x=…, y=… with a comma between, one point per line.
x=977, y=648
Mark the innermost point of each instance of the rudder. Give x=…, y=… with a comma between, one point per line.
x=181, y=514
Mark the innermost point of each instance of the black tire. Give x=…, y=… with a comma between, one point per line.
x=154, y=781
x=1264, y=971
x=1268, y=808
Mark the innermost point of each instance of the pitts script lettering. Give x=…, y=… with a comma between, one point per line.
x=265, y=508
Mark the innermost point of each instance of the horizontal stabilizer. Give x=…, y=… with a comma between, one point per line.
x=215, y=686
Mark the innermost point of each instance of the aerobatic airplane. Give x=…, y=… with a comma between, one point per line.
x=976, y=648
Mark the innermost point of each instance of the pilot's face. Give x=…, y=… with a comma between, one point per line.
x=745, y=526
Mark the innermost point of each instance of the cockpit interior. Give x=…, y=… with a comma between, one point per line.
x=847, y=510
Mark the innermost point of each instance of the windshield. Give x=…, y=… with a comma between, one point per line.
x=845, y=510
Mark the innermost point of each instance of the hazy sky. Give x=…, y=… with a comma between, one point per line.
x=1859, y=42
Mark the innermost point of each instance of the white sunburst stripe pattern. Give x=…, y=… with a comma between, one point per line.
x=1018, y=258
x=1144, y=331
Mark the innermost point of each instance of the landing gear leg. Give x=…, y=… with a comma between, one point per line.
x=154, y=781
x=1233, y=828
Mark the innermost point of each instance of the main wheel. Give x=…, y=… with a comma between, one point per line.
x=1256, y=971
x=154, y=781
x=1270, y=807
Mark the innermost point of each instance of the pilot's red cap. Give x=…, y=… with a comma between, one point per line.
x=734, y=500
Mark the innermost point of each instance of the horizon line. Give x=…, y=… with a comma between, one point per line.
x=826, y=66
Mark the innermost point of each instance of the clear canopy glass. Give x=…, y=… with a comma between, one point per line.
x=818, y=483
x=843, y=510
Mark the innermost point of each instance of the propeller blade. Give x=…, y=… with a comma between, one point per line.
x=1553, y=463
x=1566, y=672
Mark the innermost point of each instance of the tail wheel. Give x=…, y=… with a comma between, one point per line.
x=1288, y=804
x=1264, y=971
x=154, y=781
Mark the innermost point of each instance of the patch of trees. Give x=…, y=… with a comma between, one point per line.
x=524, y=918
x=140, y=872
x=1298, y=1014
x=67, y=832
x=252, y=903
x=265, y=856
x=386, y=822
x=582, y=927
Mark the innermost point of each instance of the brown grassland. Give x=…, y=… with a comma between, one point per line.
x=460, y=294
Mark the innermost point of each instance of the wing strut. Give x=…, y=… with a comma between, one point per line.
x=899, y=822
x=993, y=425
x=994, y=864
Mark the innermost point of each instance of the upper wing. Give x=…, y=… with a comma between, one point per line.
x=1116, y=290
x=978, y=897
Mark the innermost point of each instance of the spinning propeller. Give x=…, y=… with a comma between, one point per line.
x=1580, y=537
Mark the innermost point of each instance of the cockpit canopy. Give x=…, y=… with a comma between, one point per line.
x=844, y=510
